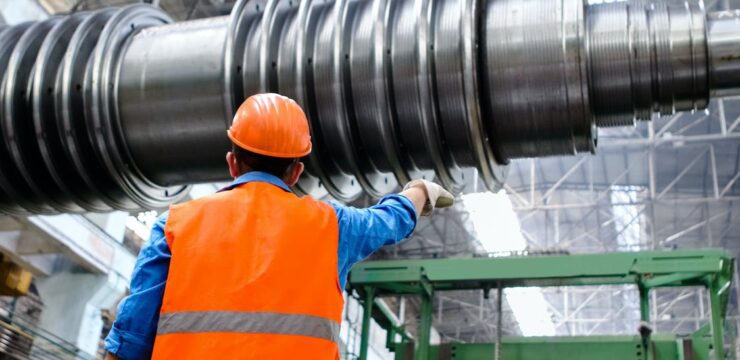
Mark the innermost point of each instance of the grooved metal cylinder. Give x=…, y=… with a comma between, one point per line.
x=646, y=57
x=174, y=74
x=724, y=65
x=122, y=109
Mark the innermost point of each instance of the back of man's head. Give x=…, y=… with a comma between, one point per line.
x=250, y=161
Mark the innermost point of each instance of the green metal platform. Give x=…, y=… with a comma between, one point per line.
x=709, y=268
x=571, y=348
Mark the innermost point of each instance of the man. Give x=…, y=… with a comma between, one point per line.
x=253, y=271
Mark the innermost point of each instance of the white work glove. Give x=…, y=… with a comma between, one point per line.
x=437, y=196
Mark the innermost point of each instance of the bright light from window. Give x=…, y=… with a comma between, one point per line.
x=494, y=221
x=497, y=230
x=530, y=310
x=142, y=223
x=626, y=217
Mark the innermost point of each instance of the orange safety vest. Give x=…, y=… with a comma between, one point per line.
x=253, y=275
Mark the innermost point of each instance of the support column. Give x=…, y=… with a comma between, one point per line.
x=425, y=327
x=644, y=328
x=717, y=322
x=499, y=320
x=644, y=304
x=367, y=318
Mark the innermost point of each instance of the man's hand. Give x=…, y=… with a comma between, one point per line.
x=433, y=196
x=110, y=356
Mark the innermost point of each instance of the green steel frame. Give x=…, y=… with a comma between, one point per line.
x=709, y=268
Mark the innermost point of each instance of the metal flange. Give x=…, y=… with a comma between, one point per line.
x=102, y=114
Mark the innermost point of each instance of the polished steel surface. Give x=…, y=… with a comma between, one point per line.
x=63, y=148
x=45, y=79
x=13, y=190
x=121, y=109
x=76, y=152
x=102, y=114
x=163, y=83
x=536, y=78
x=646, y=57
x=18, y=136
x=723, y=36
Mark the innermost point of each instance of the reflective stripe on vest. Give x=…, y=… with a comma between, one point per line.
x=248, y=323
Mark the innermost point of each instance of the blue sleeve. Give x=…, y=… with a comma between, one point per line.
x=133, y=332
x=364, y=231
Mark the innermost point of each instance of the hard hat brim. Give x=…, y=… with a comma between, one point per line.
x=268, y=153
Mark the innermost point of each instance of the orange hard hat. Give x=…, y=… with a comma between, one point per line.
x=271, y=125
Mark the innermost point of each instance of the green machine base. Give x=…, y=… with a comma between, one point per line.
x=571, y=348
x=711, y=269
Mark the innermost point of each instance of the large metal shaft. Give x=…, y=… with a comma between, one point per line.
x=121, y=109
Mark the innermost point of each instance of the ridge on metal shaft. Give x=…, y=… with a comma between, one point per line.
x=123, y=109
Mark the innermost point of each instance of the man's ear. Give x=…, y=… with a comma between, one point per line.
x=233, y=167
x=294, y=173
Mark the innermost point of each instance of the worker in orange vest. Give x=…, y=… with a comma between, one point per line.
x=254, y=271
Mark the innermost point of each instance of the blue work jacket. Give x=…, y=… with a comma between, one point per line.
x=361, y=232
